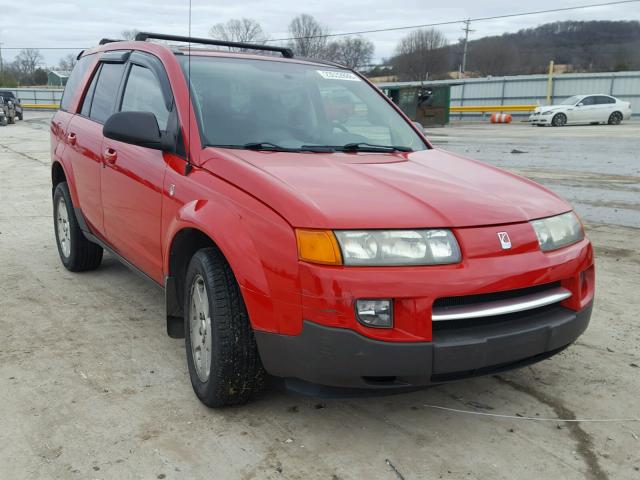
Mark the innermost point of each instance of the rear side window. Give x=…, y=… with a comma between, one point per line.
x=143, y=94
x=603, y=99
x=86, y=104
x=75, y=81
x=106, y=91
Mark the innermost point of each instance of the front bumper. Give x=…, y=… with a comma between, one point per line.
x=539, y=119
x=339, y=357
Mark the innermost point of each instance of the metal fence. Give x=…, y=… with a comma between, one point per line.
x=532, y=89
x=34, y=96
x=516, y=90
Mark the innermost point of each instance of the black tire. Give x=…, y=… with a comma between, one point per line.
x=81, y=254
x=21, y=116
x=3, y=121
x=559, y=120
x=615, y=118
x=235, y=372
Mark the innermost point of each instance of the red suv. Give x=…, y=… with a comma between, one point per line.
x=303, y=227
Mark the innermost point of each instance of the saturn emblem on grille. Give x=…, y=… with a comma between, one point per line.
x=505, y=241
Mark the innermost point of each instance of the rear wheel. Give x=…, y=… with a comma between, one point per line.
x=20, y=116
x=222, y=355
x=76, y=252
x=615, y=118
x=559, y=120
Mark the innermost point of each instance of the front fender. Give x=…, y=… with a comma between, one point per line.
x=258, y=244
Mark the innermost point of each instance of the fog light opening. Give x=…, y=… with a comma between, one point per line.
x=376, y=313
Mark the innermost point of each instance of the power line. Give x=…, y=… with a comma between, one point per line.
x=410, y=27
x=453, y=22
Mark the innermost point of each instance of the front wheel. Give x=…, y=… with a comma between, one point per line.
x=222, y=355
x=615, y=118
x=559, y=120
x=76, y=252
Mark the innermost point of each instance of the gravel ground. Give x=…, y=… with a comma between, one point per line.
x=91, y=386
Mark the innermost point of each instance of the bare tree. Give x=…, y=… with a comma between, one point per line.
x=129, y=34
x=421, y=54
x=352, y=52
x=67, y=62
x=309, y=37
x=494, y=56
x=244, y=30
x=27, y=61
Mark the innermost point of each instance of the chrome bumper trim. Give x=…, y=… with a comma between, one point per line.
x=501, y=307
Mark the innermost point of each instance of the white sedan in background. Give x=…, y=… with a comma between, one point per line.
x=582, y=109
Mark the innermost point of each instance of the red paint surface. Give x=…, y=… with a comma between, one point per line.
x=249, y=202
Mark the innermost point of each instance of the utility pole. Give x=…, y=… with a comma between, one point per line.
x=1, y=62
x=466, y=30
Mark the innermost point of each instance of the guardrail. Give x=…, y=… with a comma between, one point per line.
x=41, y=106
x=492, y=108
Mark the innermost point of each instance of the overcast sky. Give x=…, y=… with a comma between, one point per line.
x=78, y=24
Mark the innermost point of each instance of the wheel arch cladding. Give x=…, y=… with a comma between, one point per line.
x=263, y=258
x=57, y=175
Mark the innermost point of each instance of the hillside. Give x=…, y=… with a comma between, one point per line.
x=594, y=46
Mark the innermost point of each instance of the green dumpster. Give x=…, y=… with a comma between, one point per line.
x=427, y=104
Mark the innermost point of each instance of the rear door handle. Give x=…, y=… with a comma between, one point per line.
x=71, y=138
x=110, y=156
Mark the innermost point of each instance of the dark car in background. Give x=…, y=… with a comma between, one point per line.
x=4, y=113
x=13, y=104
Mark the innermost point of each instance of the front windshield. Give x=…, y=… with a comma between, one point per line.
x=240, y=102
x=571, y=100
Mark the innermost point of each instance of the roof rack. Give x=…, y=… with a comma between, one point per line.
x=286, y=52
x=104, y=41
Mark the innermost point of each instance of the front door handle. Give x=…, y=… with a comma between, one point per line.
x=110, y=156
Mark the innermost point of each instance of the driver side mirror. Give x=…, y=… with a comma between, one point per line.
x=136, y=128
x=419, y=126
x=580, y=104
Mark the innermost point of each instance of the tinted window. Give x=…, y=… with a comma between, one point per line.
x=75, y=80
x=86, y=104
x=143, y=94
x=588, y=101
x=104, y=97
x=602, y=99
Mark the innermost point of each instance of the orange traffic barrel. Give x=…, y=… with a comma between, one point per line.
x=501, y=118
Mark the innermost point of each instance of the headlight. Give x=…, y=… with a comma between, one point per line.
x=398, y=247
x=548, y=112
x=559, y=231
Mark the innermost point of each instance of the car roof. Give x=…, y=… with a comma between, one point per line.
x=155, y=47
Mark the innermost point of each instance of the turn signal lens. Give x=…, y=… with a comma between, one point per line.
x=318, y=246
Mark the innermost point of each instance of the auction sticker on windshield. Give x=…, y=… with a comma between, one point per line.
x=333, y=75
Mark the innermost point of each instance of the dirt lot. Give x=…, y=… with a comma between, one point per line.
x=91, y=387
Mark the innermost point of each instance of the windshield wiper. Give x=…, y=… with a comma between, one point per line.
x=267, y=146
x=369, y=147
x=272, y=147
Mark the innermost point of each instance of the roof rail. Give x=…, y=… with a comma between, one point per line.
x=286, y=52
x=108, y=40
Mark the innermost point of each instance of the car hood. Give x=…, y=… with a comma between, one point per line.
x=551, y=108
x=430, y=188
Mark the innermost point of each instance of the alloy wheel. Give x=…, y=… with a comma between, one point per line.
x=64, y=230
x=200, y=328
